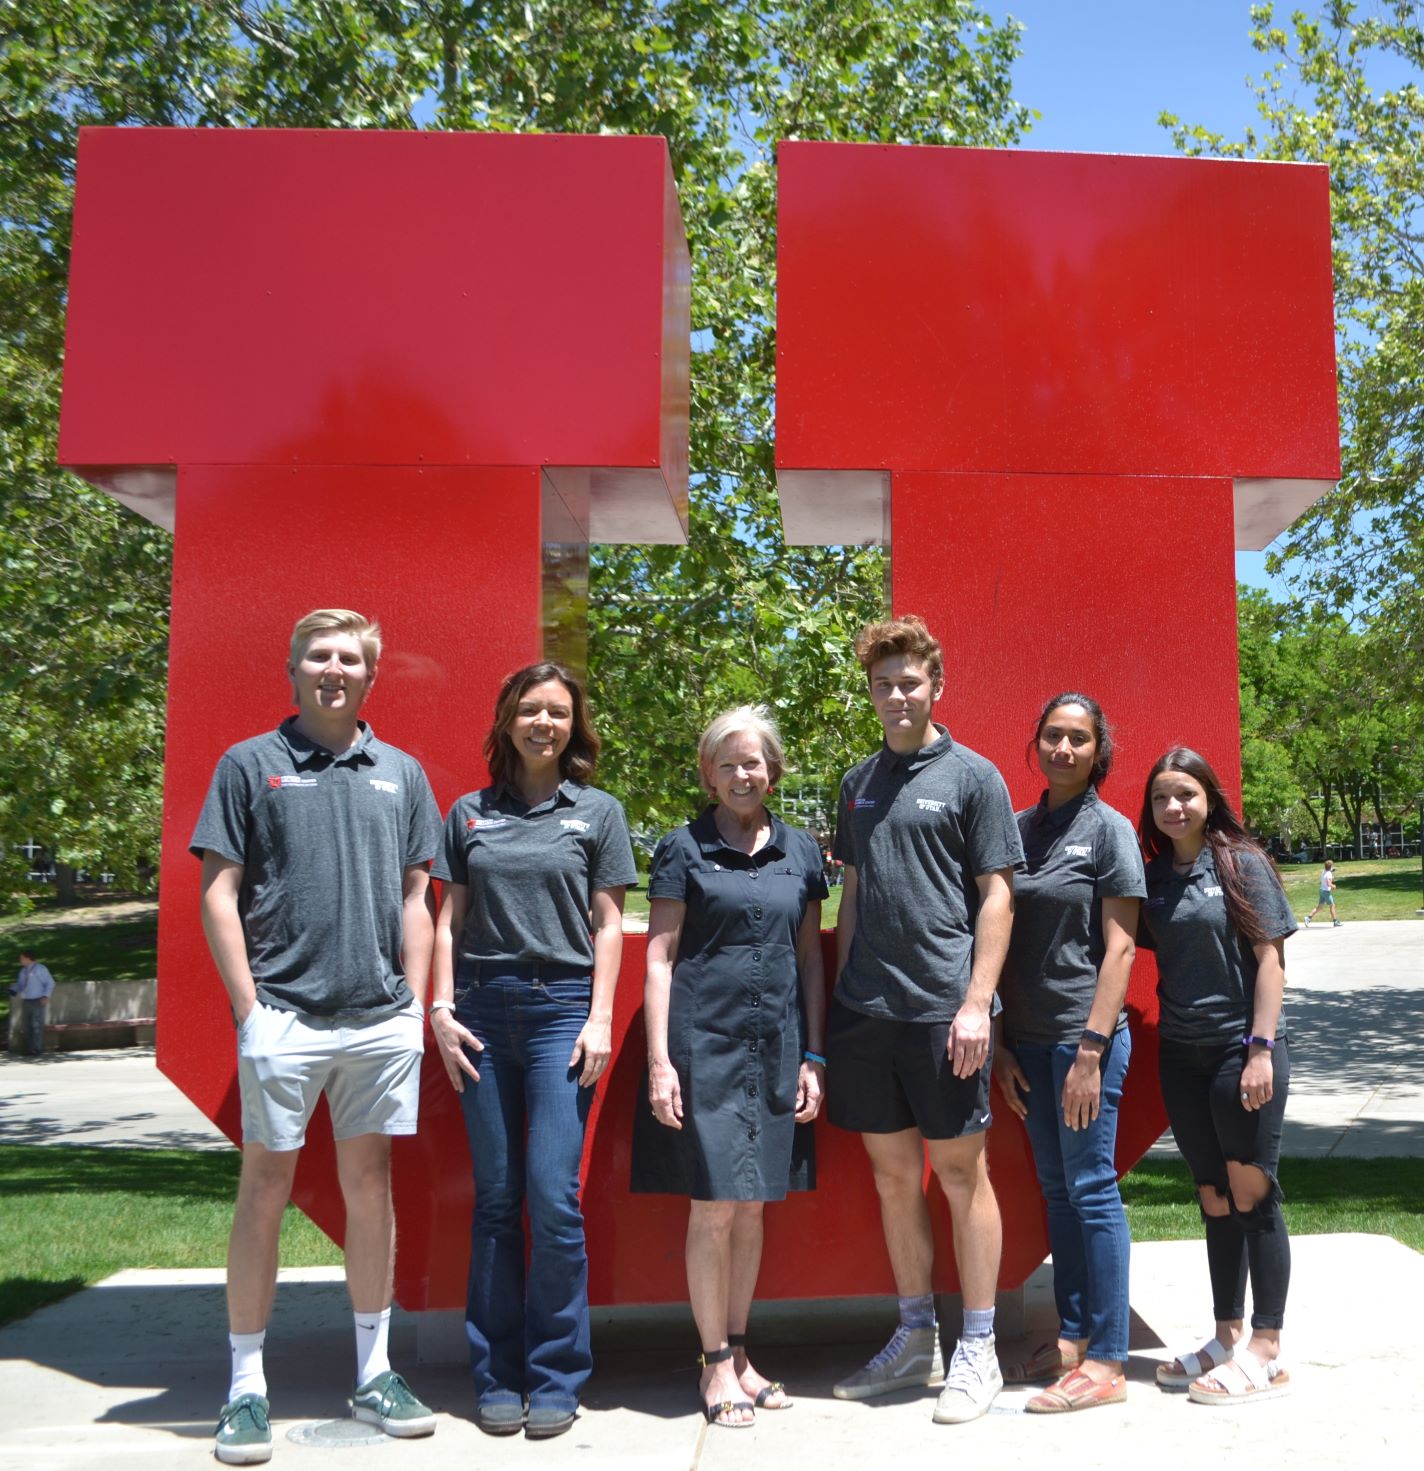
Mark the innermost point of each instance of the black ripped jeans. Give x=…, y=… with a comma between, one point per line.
x=1201, y=1086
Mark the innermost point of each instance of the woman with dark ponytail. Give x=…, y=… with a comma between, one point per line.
x=1218, y=919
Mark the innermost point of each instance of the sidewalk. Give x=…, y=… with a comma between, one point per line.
x=130, y=1372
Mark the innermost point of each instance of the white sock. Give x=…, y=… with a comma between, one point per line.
x=248, y=1376
x=372, y=1356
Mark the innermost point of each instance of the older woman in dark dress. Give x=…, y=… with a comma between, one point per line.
x=735, y=1008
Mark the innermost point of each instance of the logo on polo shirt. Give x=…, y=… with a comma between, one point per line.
x=855, y=803
x=1156, y=903
x=1078, y=850
x=278, y=782
x=475, y=822
x=1212, y=891
x=383, y=786
x=928, y=804
x=574, y=824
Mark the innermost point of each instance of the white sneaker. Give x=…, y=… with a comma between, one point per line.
x=911, y=1359
x=972, y=1384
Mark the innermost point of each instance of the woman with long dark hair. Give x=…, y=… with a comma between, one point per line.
x=1218, y=919
x=527, y=947
x=1066, y=1047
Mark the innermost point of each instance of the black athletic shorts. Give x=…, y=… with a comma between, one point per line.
x=884, y=1076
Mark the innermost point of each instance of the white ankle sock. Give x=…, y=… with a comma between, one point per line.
x=247, y=1373
x=372, y=1355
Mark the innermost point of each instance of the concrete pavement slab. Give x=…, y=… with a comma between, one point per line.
x=131, y=1372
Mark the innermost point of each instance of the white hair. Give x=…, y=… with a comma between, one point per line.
x=749, y=719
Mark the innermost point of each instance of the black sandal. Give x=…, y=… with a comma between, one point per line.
x=775, y=1386
x=722, y=1407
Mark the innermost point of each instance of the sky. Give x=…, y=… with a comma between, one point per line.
x=1100, y=72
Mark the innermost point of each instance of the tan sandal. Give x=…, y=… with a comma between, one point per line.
x=1244, y=1379
x=1077, y=1391
x=1211, y=1355
x=1042, y=1363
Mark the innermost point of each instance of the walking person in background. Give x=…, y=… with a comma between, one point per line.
x=31, y=992
x=1066, y=1048
x=1218, y=919
x=1327, y=893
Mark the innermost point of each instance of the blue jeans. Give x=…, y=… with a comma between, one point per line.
x=1087, y=1226
x=526, y=1339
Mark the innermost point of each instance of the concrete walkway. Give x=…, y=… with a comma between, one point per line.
x=130, y=1372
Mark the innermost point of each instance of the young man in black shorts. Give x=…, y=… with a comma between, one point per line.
x=316, y=840
x=927, y=835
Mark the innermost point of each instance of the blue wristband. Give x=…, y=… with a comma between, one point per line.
x=1269, y=1043
x=813, y=1057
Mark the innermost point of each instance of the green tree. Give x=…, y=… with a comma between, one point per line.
x=1343, y=87
x=676, y=633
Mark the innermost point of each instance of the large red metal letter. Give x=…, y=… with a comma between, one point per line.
x=411, y=373
x=1061, y=389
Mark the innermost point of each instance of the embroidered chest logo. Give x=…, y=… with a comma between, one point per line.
x=483, y=823
x=1212, y=891
x=573, y=824
x=928, y=804
x=1156, y=903
x=857, y=804
x=278, y=782
x=383, y=786
x=1078, y=850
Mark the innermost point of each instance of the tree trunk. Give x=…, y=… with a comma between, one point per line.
x=64, y=883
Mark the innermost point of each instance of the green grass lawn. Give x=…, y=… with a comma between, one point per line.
x=1376, y=888
x=111, y=950
x=1376, y=1196
x=75, y=1215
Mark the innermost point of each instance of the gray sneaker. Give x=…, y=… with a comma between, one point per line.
x=387, y=1401
x=910, y=1360
x=972, y=1384
x=244, y=1433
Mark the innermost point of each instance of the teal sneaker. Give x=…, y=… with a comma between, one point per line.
x=388, y=1402
x=244, y=1433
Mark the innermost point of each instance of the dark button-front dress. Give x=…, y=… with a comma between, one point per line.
x=734, y=1018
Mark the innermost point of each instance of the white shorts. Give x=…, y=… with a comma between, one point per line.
x=369, y=1070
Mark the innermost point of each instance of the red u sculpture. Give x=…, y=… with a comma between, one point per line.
x=417, y=373
x=409, y=373
x=1061, y=389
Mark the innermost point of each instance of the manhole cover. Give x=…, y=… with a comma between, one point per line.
x=337, y=1433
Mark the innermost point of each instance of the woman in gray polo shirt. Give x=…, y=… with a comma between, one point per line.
x=526, y=957
x=1218, y=919
x=1066, y=1047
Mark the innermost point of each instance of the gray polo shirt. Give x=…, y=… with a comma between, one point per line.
x=1075, y=858
x=918, y=830
x=324, y=840
x=1206, y=971
x=531, y=872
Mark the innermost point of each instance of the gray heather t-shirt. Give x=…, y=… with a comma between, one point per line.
x=918, y=830
x=1206, y=971
x=1075, y=858
x=532, y=871
x=324, y=841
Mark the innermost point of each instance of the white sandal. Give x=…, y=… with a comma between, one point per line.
x=1241, y=1381
x=1211, y=1355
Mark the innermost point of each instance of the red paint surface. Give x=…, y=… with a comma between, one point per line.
x=1063, y=362
x=341, y=363
x=966, y=309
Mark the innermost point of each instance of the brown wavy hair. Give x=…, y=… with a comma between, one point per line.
x=905, y=636
x=579, y=757
x=1226, y=836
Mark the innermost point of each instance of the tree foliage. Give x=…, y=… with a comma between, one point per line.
x=676, y=633
x=1325, y=734
x=1343, y=87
